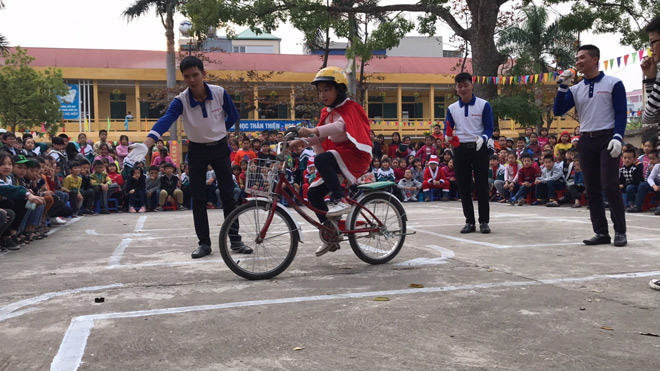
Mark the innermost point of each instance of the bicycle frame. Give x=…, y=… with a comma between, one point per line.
x=283, y=184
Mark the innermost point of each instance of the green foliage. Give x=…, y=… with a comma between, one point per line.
x=537, y=45
x=519, y=107
x=627, y=17
x=29, y=97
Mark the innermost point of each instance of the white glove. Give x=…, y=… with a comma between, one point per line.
x=138, y=153
x=566, y=77
x=615, y=148
x=491, y=144
x=480, y=142
x=449, y=138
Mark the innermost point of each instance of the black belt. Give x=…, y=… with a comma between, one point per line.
x=598, y=133
x=211, y=144
x=468, y=145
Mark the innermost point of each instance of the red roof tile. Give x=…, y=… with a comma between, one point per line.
x=130, y=59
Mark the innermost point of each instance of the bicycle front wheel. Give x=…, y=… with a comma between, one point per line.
x=270, y=256
x=383, y=245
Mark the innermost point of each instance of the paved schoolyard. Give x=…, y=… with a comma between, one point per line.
x=529, y=296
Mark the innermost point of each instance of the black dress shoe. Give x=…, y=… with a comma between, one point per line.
x=620, y=239
x=469, y=228
x=202, y=251
x=484, y=228
x=598, y=239
x=240, y=248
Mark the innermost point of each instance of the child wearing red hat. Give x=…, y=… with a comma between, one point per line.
x=434, y=178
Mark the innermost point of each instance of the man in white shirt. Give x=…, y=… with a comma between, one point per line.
x=601, y=103
x=208, y=113
x=471, y=120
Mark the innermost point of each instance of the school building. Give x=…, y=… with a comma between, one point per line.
x=406, y=94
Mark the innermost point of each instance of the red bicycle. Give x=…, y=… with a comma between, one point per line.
x=375, y=226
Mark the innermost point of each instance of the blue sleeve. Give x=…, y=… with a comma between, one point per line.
x=563, y=101
x=620, y=110
x=230, y=109
x=450, y=121
x=163, y=124
x=487, y=120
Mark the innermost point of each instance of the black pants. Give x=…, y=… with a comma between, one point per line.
x=88, y=198
x=467, y=160
x=6, y=219
x=327, y=166
x=575, y=192
x=19, y=212
x=199, y=157
x=601, y=174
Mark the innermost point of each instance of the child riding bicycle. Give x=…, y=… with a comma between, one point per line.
x=341, y=143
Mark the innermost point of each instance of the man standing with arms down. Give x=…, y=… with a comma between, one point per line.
x=601, y=103
x=207, y=113
x=471, y=120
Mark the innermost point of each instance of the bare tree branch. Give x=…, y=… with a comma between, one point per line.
x=441, y=12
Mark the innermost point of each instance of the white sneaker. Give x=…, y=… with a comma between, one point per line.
x=327, y=247
x=58, y=220
x=655, y=284
x=338, y=208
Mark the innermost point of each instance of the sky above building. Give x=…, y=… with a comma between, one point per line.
x=98, y=24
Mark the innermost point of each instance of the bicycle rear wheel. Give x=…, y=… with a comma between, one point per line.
x=381, y=246
x=271, y=256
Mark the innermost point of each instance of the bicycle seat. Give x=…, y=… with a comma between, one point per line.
x=376, y=185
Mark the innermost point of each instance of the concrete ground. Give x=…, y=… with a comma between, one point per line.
x=529, y=296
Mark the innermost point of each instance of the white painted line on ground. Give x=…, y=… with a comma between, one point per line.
x=53, y=229
x=627, y=225
x=3, y=253
x=445, y=255
x=140, y=223
x=10, y=311
x=168, y=264
x=459, y=239
x=72, y=348
x=115, y=259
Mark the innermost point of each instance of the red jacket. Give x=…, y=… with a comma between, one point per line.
x=116, y=178
x=527, y=174
x=355, y=153
x=440, y=174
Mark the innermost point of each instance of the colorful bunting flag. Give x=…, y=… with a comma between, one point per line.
x=605, y=64
x=634, y=55
x=625, y=59
x=641, y=54
x=618, y=61
x=612, y=63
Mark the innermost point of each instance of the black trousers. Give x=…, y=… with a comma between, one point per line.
x=328, y=168
x=6, y=219
x=466, y=161
x=199, y=157
x=18, y=206
x=601, y=174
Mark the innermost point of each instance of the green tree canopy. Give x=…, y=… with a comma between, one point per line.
x=627, y=17
x=538, y=45
x=485, y=18
x=28, y=97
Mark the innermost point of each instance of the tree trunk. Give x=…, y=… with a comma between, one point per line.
x=171, y=62
x=326, y=51
x=485, y=57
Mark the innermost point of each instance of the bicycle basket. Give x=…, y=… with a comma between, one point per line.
x=261, y=177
